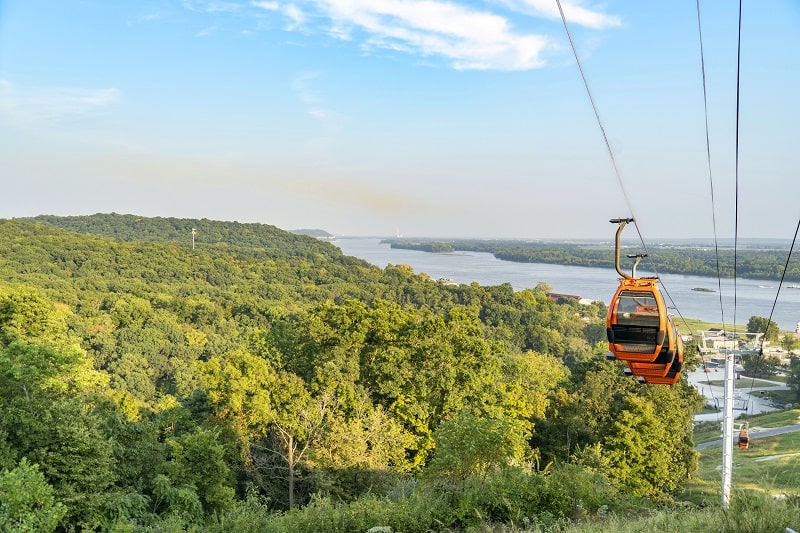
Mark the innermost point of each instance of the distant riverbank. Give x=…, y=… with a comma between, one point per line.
x=753, y=297
x=753, y=263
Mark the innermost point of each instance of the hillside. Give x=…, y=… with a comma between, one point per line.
x=148, y=383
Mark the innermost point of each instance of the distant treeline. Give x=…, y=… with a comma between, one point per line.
x=689, y=260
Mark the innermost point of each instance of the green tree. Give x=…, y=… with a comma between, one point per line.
x=760, y=324
x=66, y=438
x=794, y=376
x=761, y=365
x=582, y=411
x=468, y=446
x=299, y=420
x=358, y=451
x=638, y=455
x=197, y=459
x=27, y=503
x=272, y=413
x=790, y=342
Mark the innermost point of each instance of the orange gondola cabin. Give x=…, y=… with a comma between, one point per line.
x=666, y=367
x=639, y=329
x=744, y=439
x=637, y=321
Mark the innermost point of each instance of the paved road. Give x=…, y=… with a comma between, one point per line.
x=752, y=404
x=760, y=434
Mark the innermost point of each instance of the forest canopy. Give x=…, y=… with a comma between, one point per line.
x=145, y=381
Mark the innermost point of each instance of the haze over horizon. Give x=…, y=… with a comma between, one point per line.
x=438, y=119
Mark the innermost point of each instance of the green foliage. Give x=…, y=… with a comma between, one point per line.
x=756, y=513
x=152, y=383
x=26, y=315
x=66, y=439
x=790, y=342
x=761, y=365
x=759, y=324
x=27, y=502
x=513, y=496
x=468, y=446
x=794, y=376
x=250, y=515
x=359, y=453
x=509, y=496
x=181, y=501
x=198, y=459
x=638, y=450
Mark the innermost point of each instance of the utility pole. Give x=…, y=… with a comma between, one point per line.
x=727, y=432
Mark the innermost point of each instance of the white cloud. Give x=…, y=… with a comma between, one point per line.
x=205, y=32
x=211, y=6
x=302, y=87
x=464, y=36
x=319, y=113
x=574, y=12
x=144, y=19
x=293, y=12
x=53, y=103
x=295, y=15
x=269, y=6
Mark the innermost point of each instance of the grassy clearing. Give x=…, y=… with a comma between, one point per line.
x=708, y=431
x=774, y=419
x=691, y=325
x=746, y=515
x=770, y=466
x=762, y=476
x=784, y=396
x=744, y=383
x=780, y=377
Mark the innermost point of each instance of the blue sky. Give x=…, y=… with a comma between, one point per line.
x=434, y=118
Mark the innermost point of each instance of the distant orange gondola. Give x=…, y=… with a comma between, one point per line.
x=744, y=439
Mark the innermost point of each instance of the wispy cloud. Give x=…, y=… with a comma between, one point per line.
x=295, y=15
x=212, y=6
x=574, y=12
x=144, y=19
x=205, y=32
x=469, y=39
x=53, y=103
x=302, y=85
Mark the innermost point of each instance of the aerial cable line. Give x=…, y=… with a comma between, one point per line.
x=711, y=185
x=736, y=209
x=710, y=174
x=599, y=122
x=610, y=151
x=774, y=303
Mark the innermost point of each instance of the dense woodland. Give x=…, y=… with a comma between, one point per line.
x=263, y=381
x=763, y=262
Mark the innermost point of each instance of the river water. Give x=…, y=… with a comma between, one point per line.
x=753, y=297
